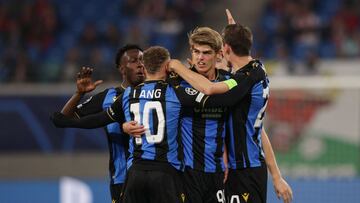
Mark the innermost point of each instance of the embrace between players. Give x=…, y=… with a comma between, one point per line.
x=195, y=136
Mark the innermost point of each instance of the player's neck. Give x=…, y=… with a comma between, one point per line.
x=156, y=76
x=211, y=74
x=239, y=62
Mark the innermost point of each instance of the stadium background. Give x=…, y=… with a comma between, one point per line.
x=311, y=49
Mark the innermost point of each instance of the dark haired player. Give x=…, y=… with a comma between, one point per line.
x=129, y=63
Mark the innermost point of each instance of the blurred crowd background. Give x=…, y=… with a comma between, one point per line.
x=49, y=40
x=307, y=30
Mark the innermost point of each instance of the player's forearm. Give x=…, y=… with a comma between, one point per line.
x=199, y=82
x=87, y=122
x=270, y=156
x=70, y=106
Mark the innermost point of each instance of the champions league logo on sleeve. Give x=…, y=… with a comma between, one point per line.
x=191, y=91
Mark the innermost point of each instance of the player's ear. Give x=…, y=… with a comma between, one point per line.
x=165, y=65
x=227, y=49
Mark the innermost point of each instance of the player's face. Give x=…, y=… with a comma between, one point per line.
x=204, y=58
x=133, y=70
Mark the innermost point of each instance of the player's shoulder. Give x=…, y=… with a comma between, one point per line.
x=257, y=65
x=111, y=92
x=174, y=79
x=100, y=96
x=254, y=69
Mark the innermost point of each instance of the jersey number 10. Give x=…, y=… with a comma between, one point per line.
x=144, y=119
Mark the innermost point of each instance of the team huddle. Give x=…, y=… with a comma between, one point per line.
x=179, y=134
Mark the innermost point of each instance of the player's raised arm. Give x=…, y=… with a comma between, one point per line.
x=84, y=85
x=198, y=81
x=229, y=17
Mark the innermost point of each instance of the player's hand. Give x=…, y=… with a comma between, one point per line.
x=229, y=17
x=133, y=128
x=283, y=190
x=84, y=81
x=174, y=64
x=60, y=120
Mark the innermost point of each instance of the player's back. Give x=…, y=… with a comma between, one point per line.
x=155, y=105
x=245, y=122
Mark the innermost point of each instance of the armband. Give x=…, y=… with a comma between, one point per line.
x=231, y=83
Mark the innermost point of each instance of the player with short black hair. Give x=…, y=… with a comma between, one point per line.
x=129, y=63
x=239, y=38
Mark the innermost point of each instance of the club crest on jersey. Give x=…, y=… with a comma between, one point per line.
x=191, y=91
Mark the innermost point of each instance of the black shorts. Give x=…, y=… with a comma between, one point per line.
x=157, y=186
x=247, y=185
x=115, y=191
x=202, y=187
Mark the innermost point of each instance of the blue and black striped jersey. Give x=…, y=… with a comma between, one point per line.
x=203, y=133
x=157, y=106
x=248, y=100
x=117, y=141
x=245, y=123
